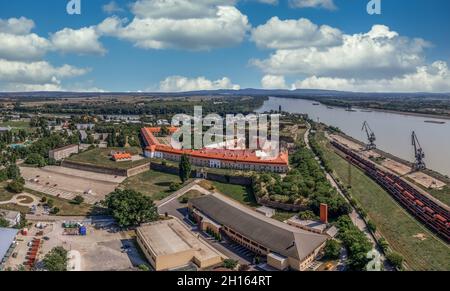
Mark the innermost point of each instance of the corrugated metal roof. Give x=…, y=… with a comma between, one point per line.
x=7, y=236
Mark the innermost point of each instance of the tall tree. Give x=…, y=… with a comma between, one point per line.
x=185, y=168
x=56, y=260
x=131, y=208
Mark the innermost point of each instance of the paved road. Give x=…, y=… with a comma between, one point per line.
x=357, y=220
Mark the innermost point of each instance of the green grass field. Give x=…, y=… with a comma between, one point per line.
x=189, y=195
x=443, y=194
x=4, y=194
x=100, y=157
x=14, y=207
x=66, y=207
x=239, y=193
x=399, y=228
x=15, y=124
x=281, y=215
x=151, y=183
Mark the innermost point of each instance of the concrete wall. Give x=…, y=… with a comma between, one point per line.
x=104, y=170
x=236, y=180
x=279, y=205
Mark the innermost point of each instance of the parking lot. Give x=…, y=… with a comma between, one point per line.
x=104, y=248
x=69, y=183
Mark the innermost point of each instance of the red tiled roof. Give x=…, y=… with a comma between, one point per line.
x=122, y=156
x=246, y=156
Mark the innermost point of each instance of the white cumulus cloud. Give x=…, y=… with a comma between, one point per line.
x=23, y=47
x=326, y=4
x=39, y=72
x=112, y=7
x=183, y=84
x=273, y=82
x=79, y=41
x=16, y=26
x=431, y=78
x=290, y=34
x=377, y=53
x=200, y=26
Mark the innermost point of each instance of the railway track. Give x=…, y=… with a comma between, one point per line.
x=431, y=214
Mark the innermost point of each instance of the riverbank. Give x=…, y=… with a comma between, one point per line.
x=421, y=249
x=442, y=194
x=407, y=113
x=393, y=130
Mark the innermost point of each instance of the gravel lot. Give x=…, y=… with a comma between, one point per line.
x=70, y=182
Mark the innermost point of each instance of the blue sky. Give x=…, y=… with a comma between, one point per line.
x=156, y=47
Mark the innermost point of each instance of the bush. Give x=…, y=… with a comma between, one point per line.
x=230, y=264
x=371, y=226
x=383, y=244
x=15, y=186
x=332, y=249
x=144, y=267
x=174, y=186
x=50, y=203
x=56, y=260
x=3, y=175
x=55, y=210
x=13, y=172
x=78, y=200
x=306, y=215
x=35, y=159
x=3, y=222
x=395, y=259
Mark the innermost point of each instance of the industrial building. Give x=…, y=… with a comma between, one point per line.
x=169, y=245
x=285, y=246
x=239, y=159
x=64, y=152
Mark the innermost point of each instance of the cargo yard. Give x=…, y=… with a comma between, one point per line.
x=98, y=246
x=433, y=214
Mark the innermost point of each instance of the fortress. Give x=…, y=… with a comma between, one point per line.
x=239, y=159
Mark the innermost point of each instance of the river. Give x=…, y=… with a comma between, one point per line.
x=393, y=131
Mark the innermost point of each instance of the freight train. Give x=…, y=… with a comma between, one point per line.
x=434, y=216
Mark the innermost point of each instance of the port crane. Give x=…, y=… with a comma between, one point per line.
x=370, y=136
x=419, y=154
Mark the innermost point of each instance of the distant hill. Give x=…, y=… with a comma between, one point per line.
x=300, y=93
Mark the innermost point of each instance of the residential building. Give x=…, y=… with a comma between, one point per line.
x=5, y=129
x=64, y=152
x=285, y=246
x=168, y=244
x=85, y=126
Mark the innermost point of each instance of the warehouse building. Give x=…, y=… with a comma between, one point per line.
x=285, y=246
x=170, y=245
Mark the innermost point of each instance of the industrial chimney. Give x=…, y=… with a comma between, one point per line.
x=323, y=213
